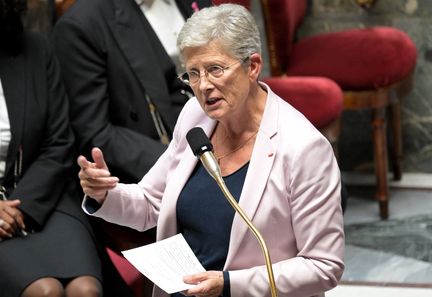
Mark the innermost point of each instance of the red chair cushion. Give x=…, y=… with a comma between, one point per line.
x=132, y=277
x=356, y=59
x=319, y=99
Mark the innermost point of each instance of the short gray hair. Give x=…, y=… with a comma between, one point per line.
x=231, y=24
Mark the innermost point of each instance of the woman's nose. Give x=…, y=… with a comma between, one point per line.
x=204, y=83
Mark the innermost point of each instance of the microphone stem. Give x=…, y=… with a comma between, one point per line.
x=254, y=230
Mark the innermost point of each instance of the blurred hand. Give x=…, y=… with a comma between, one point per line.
x=95, y=178
x=209, y=284
x=11, y=219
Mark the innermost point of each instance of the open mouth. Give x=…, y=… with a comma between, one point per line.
x=212, y=101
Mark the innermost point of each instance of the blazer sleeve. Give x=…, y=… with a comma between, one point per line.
x=48, y=142
x=83, y=60
x=138, y=205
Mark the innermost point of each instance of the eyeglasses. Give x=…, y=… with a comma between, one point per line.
x=212, y=72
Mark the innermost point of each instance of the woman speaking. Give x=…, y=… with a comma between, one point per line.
x=279, y=167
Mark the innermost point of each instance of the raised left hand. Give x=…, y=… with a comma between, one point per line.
x=95, y=178
x=208, y=284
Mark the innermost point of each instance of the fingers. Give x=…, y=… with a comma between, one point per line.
x=19, y=219
x=99, y=184
x=98, y=158
x=6, y=230
x=93, y=173
x=99, y=161
x=209, y=284
x=11, y=219
x=12, y=203
x=95, y=178
x=195, y=278
x=83, y=162
x=200, y=277
x=12, y=216
x=98, y=181
x=97, y=188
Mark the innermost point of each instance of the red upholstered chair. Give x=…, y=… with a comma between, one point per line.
x=373, y=66
x=318, y=98
x=118, y=238
x=131, y=276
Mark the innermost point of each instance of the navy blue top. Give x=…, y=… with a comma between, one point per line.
x=205, y=217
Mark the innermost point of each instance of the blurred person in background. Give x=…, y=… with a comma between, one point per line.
x=120, y=65
x=47, y=247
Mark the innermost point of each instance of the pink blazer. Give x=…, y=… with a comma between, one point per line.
x=291, y=193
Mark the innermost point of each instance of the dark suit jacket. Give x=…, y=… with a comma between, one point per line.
x=38, y=115
x=111, y=58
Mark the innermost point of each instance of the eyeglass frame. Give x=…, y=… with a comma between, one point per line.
x=207, y=73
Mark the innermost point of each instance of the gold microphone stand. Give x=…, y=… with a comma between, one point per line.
x=255, y=231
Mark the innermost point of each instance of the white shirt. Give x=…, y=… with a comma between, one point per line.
x=166, y=20
x=5, y=133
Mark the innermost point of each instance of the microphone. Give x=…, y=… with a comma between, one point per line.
x=203, y=149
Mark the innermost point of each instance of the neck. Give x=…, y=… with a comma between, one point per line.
x=228, y=147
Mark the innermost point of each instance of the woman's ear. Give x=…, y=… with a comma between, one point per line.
x=255, y=66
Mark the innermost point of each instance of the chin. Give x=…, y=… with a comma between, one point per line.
x=215, y=114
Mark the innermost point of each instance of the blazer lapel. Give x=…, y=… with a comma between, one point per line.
x=167, y=222
x=12, y=77
x=260, y=166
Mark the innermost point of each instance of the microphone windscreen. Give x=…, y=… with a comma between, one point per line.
x=198, y=141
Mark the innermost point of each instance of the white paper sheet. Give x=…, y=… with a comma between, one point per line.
x=166, y=262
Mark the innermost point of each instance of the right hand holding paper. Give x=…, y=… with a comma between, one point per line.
x=166, y=262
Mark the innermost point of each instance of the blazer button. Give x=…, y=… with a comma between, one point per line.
x=134, y=116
